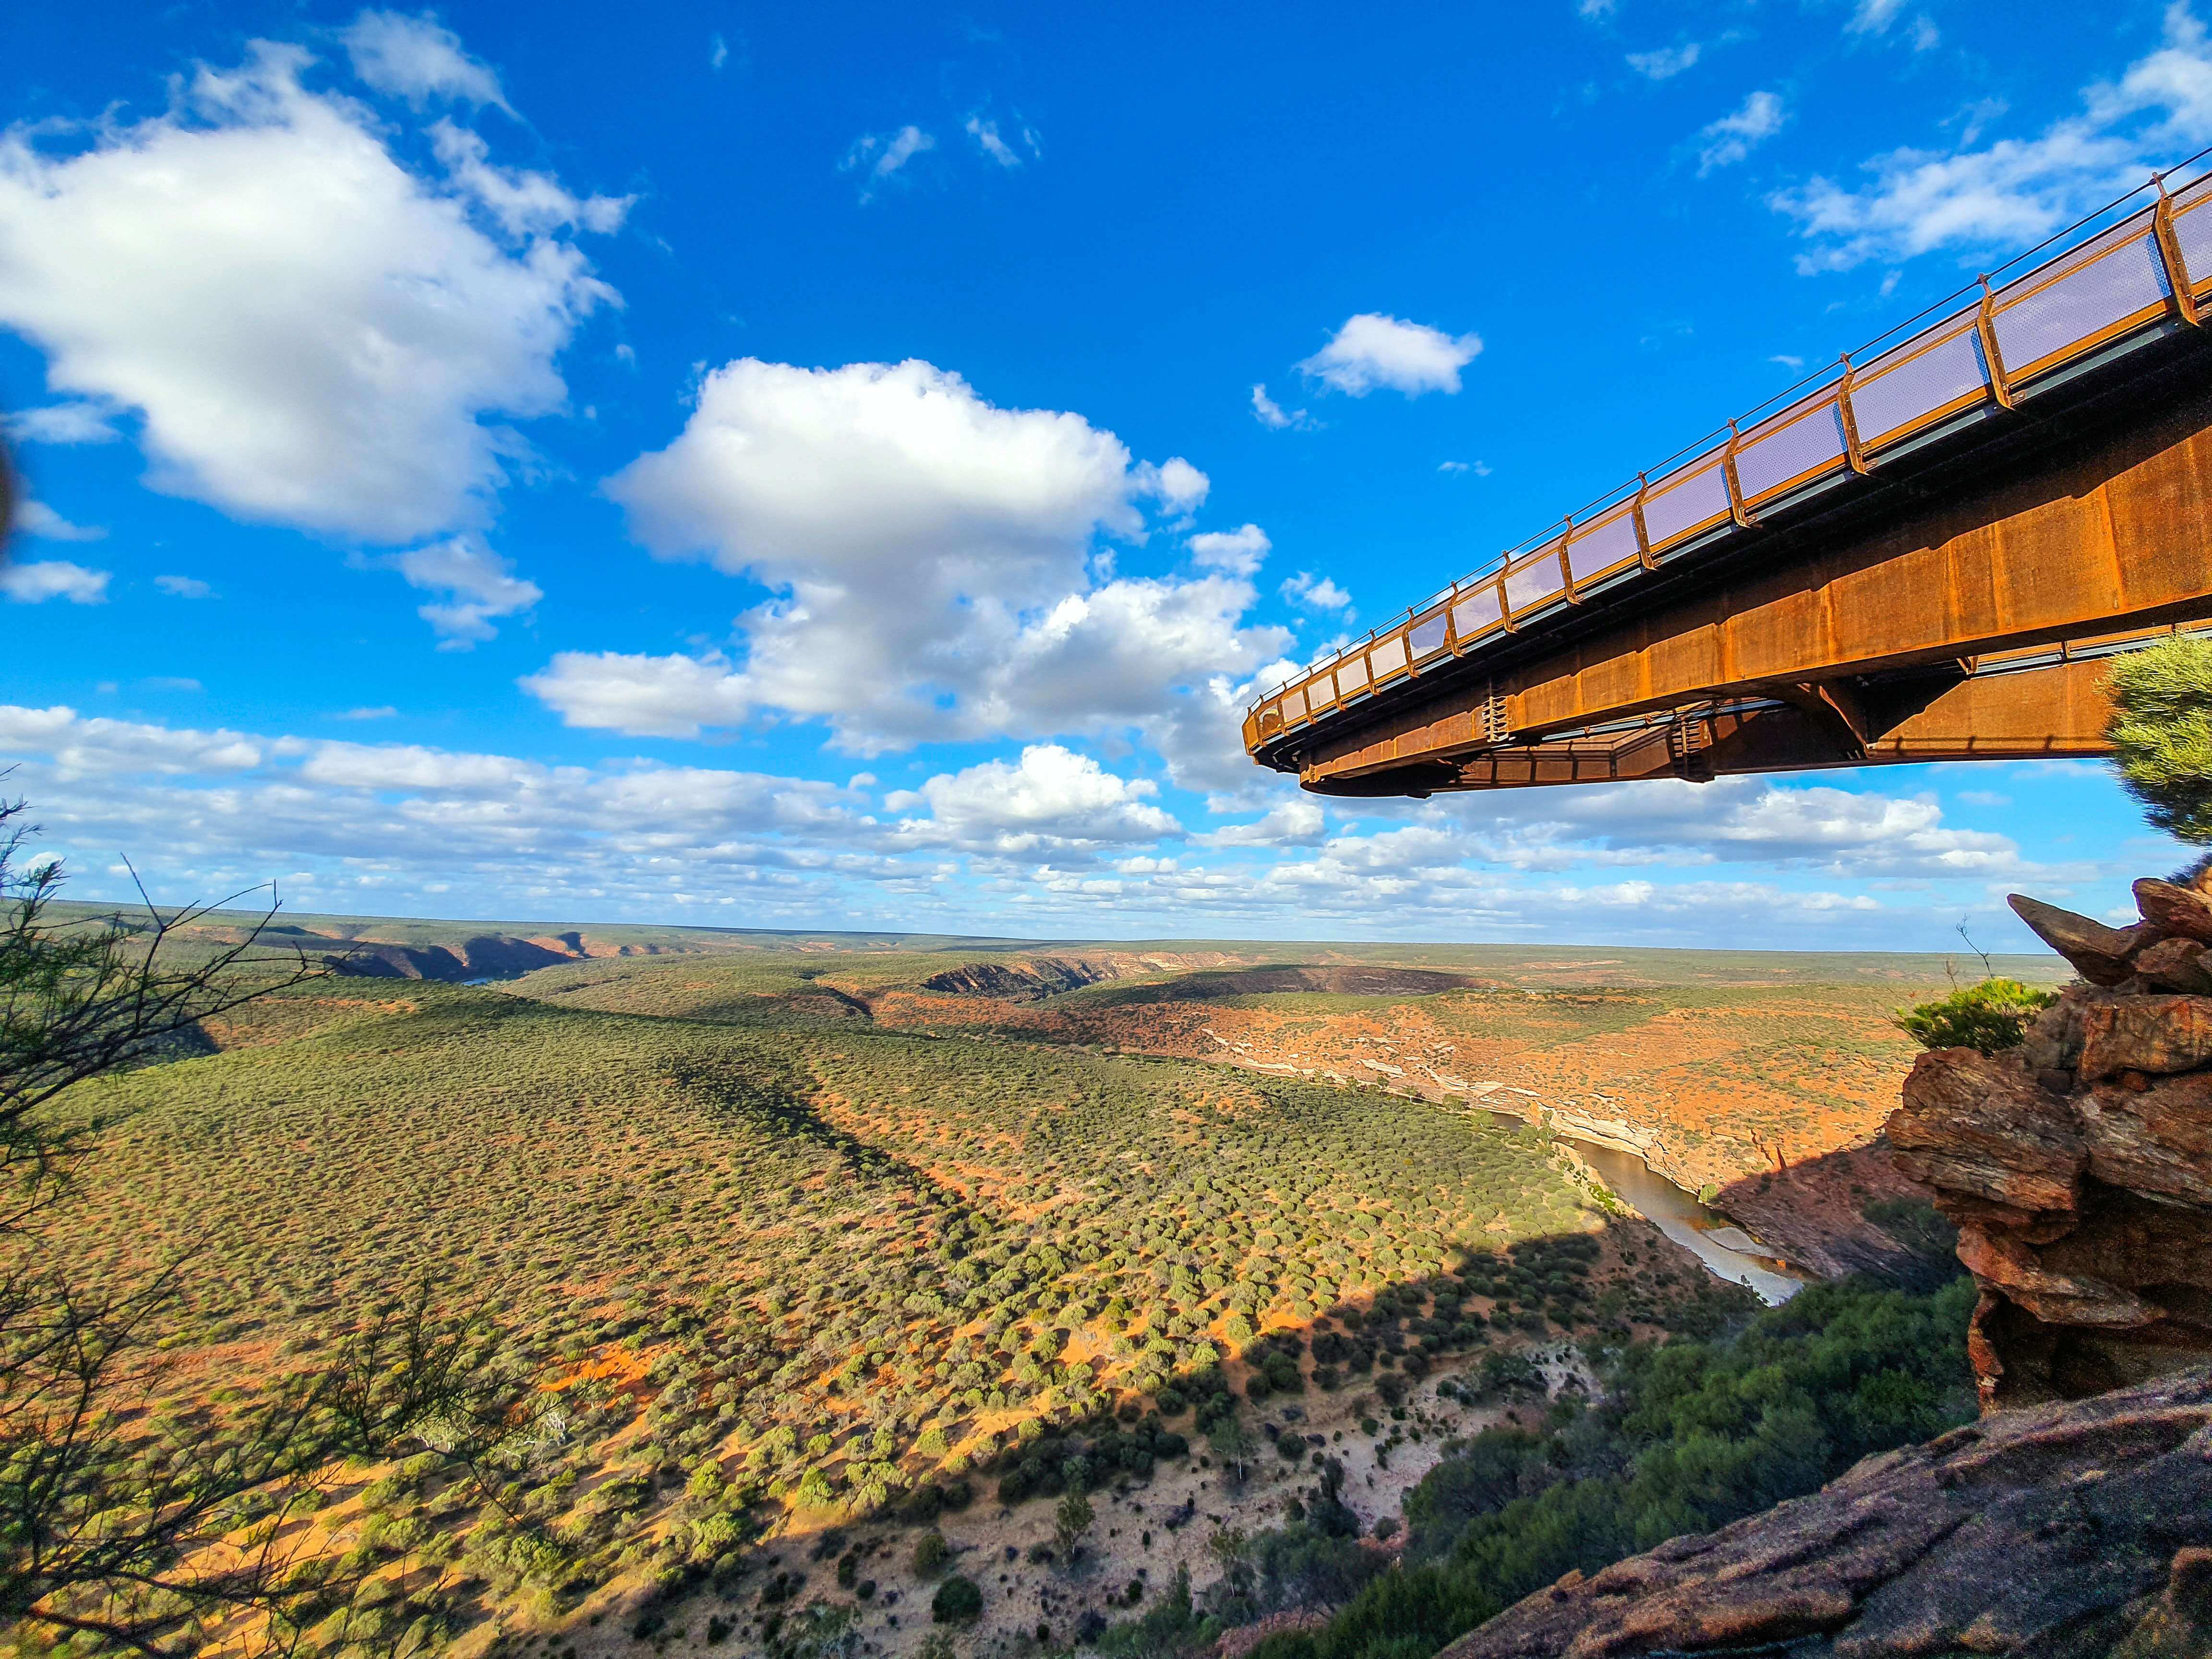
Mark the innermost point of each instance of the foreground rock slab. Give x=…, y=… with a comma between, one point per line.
x=2069, y=1531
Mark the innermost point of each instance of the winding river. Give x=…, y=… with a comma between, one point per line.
x=1705, y=1233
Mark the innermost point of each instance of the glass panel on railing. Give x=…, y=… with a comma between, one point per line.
x=1899, y=389
x=1351, y=675
x=1609, y=542
x=1796, y=446
x=1389, y=656
x=1428, y=636
x=1474, y=611
x=2129, y=279
x=1537, y=580
x=1686, y=501
x=1294, y=703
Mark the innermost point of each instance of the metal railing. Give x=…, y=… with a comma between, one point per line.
x=2149, y=271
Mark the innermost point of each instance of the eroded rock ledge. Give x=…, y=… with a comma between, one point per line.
x=2074, y=1530
x=2078, y=1166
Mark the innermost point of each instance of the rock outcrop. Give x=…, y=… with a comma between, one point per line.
x=2075, y=1530
x=2078, y=1167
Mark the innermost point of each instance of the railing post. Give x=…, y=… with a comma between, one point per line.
x=1984, y=321
x=1566, y=569
x=2169, y=254
x=1728, y=477
x=1505, y=610
x=1853, y=453
x=1636, y=517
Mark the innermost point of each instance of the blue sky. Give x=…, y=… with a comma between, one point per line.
x=848, y=466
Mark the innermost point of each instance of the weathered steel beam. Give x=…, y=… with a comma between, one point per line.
x=2101, y=537
x=2052, y=713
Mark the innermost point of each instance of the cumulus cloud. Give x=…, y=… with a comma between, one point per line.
x=37, y=519
x=478, y=584
x=1372, y=350
x=1052, y=800
x=927, y=555
x=342, y=357
x=1238, y=551
x=2013, y=192
x=1734, y=135
x=419, y=59
x=1295, y=823
x=671, y=696
x=1315, y=593
x=1667, y=62
x=63, y=424
x=53, y=579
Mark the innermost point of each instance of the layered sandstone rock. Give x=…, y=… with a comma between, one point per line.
x=2078, y=1166
x=2076, y=1530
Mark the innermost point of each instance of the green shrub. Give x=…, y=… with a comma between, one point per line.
x=2161, y=734
x=1992, y=1016
x=957, y=1601
x=931, y=1554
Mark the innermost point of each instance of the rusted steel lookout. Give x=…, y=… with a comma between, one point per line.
x=1927, y=558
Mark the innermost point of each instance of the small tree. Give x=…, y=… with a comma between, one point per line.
x=958, y=1601
x=1071, y=1521
x=1234, y=1444
x=1991, y=1016
x=2161, y=733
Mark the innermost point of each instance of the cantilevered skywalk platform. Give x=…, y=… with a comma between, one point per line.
x=1928, y=556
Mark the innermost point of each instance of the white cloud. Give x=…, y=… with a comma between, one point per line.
x=1596, y=10
x=184, y=587
x=1874, y=17
x=1373, y=351
x=1269, y=413
x=903, y=523
x=2015, y=191
x=717, y=52
x=1238, y=551
x=985, y=135
x=418, y=59
x=380, y=711
x=879, y=156
x=338, y=360
x=1315, y=594
x=1480, y=469
x=1734, y=136
x=1297, y=822
x=1052, y=800
x=1926, y=37
x=53, y=579
x=672, y=697
x=37, y=519
x=1667, y=62
x=1787, y=361
x=62, y=424
x=479, y=585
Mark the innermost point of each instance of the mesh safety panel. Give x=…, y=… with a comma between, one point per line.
x=1901, y=388
x=2192, y=229
x=1321, y=691
x=1351, y=675
x=1684, y=501
x=1428, y=634
x=2128, y=279
x=1609, y=542
x=1294, y=703
x=1389, y=656
x=1537, y=580
x=1472, y=612
x=1788, y=447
